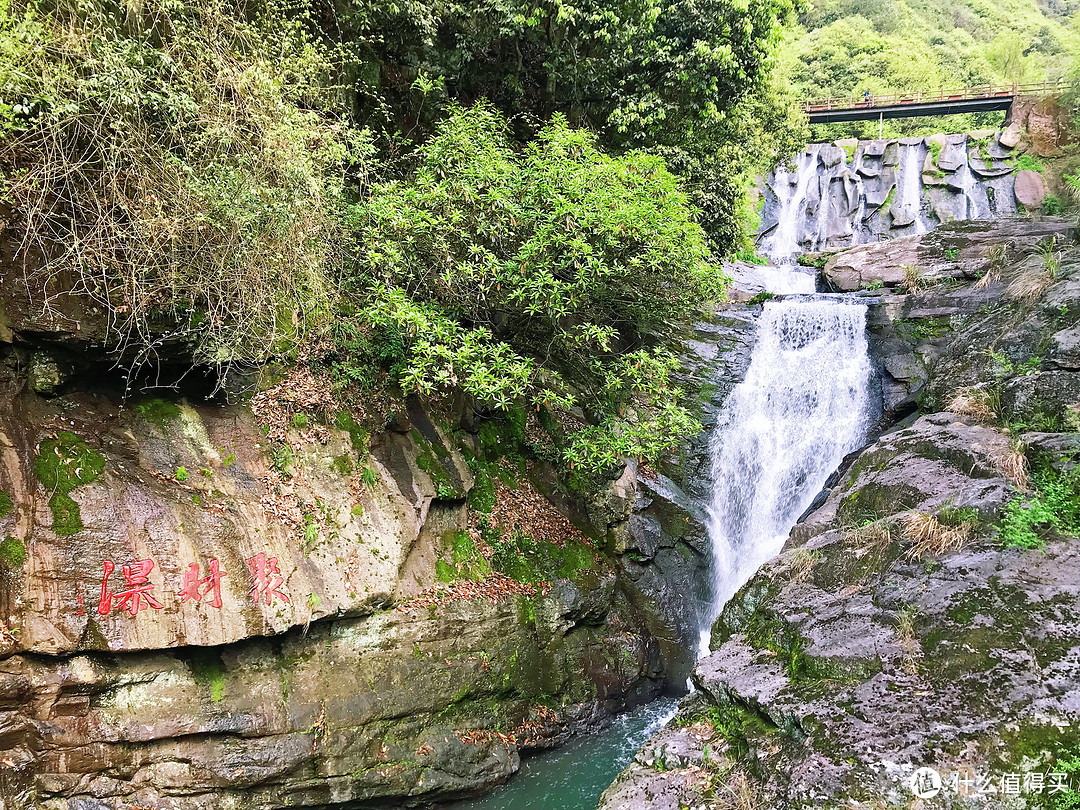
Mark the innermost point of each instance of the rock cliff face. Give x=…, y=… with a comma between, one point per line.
x=211, y=605
x=853, y=192
x=899, y=629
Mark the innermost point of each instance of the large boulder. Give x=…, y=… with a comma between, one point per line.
x=865, y=652
x=953, y=250
x=1029, y=188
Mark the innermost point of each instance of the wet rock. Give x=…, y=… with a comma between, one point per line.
x=319, y=714
x=953, y=155
x=1010, y=136
x=46, y=374
x=853, y=657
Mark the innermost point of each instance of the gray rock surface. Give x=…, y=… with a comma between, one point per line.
x=881, y=640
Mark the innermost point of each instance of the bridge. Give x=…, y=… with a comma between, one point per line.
x=985, y=98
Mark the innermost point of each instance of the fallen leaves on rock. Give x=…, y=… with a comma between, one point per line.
x=301, y=392
x=494, y=588
x=525, y=510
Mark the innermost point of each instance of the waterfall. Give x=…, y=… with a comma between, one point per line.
x=803, y=406
x=976, y=204
x=909, y=188
x=791, y=188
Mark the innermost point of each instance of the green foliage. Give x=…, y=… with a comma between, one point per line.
x=6, y=504
x=1068, y=799
x=750, y=257
x=517, y=277
x=62, y=464
x=182, y=474
x=282, y=459
x=311, y=532
x=185, y=159
x=844, y=47
x=158, y=411
x=1031, y=163
x=761, y=298
x=12, y=552
x=1053, y=506
x=689, y=81
x=1052, y=205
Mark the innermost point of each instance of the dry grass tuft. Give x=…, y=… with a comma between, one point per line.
x=913, y=278
x=996, y=257
x=871, y=536
x=976, y=403
x=1012, y=464
x=1031, y=283
x=736, y=793
x=801, y=563
x=906, y=639
x=929, y=536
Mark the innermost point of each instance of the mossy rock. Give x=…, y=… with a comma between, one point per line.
x=158, y=411
x=7, y=505
x=63, y=464
x=12, y=552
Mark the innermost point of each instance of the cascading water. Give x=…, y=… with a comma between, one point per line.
x=909, y=188
x=782, y=245
x=976, y=205
x=803, y=406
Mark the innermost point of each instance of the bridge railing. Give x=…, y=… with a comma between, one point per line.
x=934, y=96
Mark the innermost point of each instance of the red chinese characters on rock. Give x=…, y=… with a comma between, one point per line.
x=197, y=588
x=137, y=589
x=267, y=579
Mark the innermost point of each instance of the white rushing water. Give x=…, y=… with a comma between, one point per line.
x=792, y=187
x=803, y=406
x=909, y=186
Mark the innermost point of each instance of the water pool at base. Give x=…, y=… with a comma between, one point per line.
x=573, y=777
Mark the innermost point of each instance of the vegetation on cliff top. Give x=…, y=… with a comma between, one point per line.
x=492, y=211
x=845, y=47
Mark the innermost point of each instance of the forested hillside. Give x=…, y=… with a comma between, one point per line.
x=846, y=47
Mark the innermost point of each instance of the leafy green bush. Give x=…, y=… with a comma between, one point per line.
x=521, y=277
x=1031, y=163
x=185, y=160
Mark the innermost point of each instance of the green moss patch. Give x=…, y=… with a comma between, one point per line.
x=63, y=464
x=12, y=552
x=158, y=411
x=6, y=504
x=208, y=670
x=357, y=435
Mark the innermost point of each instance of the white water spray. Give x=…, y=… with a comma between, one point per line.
x=791, y=188
x=909, y=187
x=803, y=406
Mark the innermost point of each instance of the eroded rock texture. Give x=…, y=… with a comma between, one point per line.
x=211, y=605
